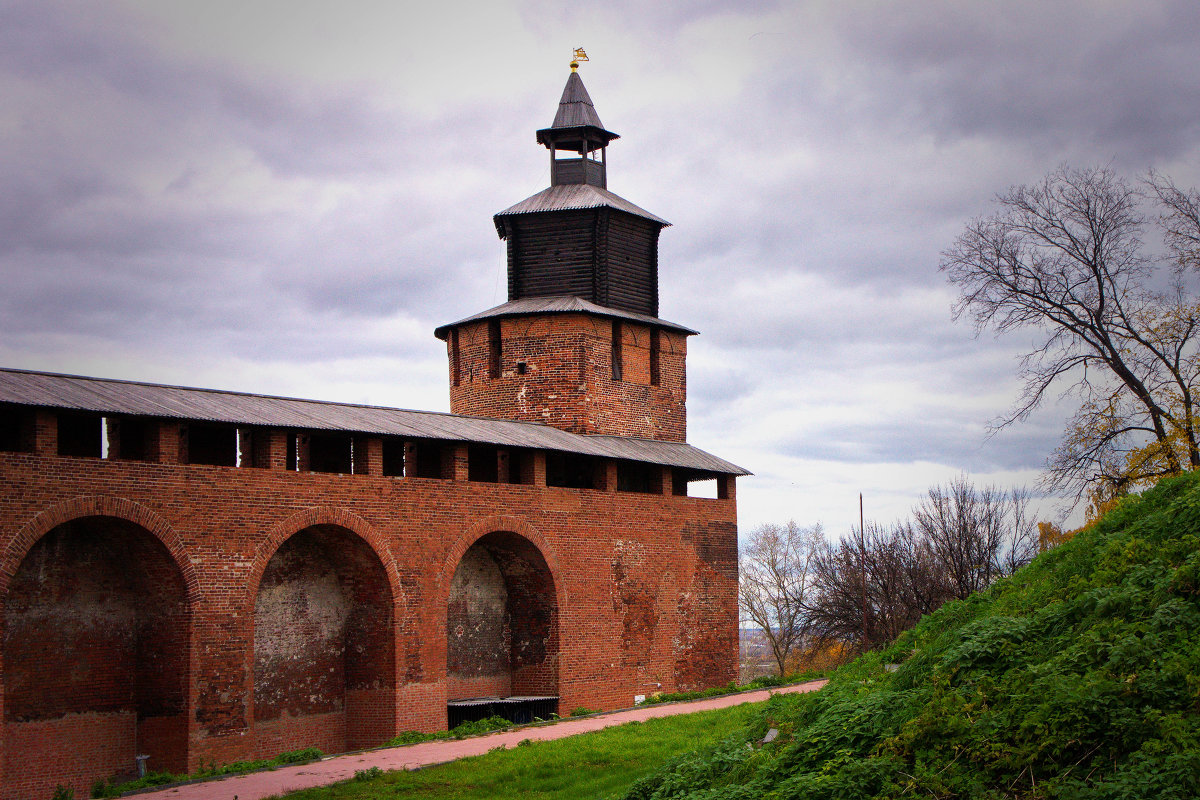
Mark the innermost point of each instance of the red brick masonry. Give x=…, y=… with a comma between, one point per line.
x=208, y=614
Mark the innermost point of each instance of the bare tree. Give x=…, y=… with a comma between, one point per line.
x=889, y=576
x=1064, y=258
x=1179, y=218
x=961, y=539
x=774, y=579
x=976, y=534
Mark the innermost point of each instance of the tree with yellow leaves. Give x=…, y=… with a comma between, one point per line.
x=1064, y=258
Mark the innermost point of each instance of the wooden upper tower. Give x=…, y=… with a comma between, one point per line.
x=576, y=237
x=579, y=343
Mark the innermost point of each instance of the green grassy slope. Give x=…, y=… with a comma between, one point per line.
x=1079, y=677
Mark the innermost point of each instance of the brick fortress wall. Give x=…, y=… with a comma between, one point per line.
x=202, y=613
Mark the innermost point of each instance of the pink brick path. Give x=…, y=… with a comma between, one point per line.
x=258, y=785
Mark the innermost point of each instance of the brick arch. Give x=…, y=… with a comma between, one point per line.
x=97, y=506
x=484, y=655
x=496, y=524
x=285, y=529
x=142, y=707
x=369, y=718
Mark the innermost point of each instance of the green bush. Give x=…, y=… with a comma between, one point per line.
x=581, y=711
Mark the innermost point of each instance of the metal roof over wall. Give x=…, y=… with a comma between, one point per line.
x=51, y=390
x=562, y=304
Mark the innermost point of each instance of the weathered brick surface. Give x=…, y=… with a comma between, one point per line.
x=198, y=613
x=568, y=376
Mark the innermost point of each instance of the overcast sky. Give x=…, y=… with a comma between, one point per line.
x=287, y=197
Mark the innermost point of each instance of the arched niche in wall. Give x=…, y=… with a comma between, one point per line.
x=324, y=653
x=502, y=621
x=96, y=655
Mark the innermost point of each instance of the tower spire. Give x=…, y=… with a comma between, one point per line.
x=577, y=130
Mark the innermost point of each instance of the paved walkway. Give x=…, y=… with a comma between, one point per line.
x=258, y=785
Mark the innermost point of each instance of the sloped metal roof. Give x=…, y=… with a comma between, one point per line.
x=575, y=107
x=52, y=390
x=573, y=197
x=560, y=304
x=576, y=115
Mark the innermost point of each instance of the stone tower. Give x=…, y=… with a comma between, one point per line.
x=579, y=344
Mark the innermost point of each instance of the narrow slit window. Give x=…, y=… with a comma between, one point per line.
x=655, y=344
x=494, y=348
x=455, y=364
x=617, y=359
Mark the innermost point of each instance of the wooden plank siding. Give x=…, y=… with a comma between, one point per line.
x=632, y=265
x=605, y=256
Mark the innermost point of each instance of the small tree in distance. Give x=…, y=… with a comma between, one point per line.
x=808, y=594
x=774, y=571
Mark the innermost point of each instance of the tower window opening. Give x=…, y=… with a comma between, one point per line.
x=494, y=348
x=617, y=360
x=393, y=457
x=260, y=447
x=430, y=461
x=130, y=438
x=520, y=466
x=640, y=477
x=331, y=452
x=16, y=426
x=482, y=463
x=455, y=362
x=293, y=451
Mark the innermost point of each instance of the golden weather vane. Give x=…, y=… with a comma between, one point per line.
x=579, y=56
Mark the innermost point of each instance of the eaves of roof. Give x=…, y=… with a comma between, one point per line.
x=560, y=304
x=50, y=390
x=573, y=197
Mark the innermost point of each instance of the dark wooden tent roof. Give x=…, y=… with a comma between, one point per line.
x=576, y=120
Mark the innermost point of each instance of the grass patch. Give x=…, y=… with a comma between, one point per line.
x=590, y=765
x=460, y=731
